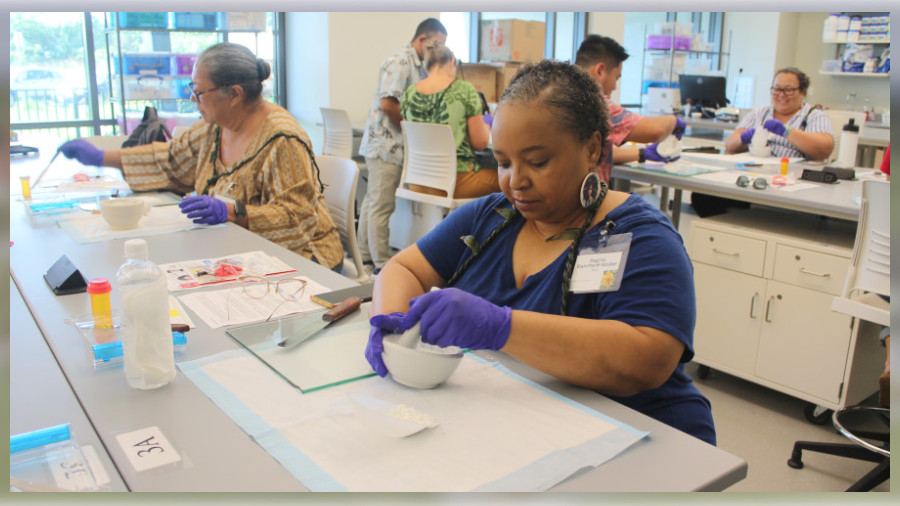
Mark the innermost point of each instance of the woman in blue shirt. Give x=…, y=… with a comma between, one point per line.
x=515, y=267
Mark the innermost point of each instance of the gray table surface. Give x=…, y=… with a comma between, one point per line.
x=48, y=399
x=840, y=200
x=217, y=454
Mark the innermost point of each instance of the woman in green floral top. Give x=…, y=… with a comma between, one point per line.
x=441, y=98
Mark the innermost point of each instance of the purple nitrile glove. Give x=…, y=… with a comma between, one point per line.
x=452, y=317
x=382, y=324
x=83, y=151
x=775, y=126
x=680, y=125
x=747, y=135
x=205, y=209
x=488, y=119
x=652, y=155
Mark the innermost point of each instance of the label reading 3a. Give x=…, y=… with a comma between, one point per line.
x=147, y=448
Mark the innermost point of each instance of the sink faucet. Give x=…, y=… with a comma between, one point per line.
x=851, y=97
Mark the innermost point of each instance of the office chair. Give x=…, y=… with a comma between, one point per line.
x=868, y=278
x=340, y=175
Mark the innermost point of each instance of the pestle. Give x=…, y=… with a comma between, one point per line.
x=410, y=338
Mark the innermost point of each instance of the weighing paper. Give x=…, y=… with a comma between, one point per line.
x=88, y=227
x=496, y=430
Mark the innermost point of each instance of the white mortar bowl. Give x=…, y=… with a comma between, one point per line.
x=424, y=366
x=123, y=213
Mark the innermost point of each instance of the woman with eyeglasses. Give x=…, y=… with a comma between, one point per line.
x=248, y=160
x=799, y=129
x=591, y=286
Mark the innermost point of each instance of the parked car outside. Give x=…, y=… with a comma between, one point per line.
x=44, y=84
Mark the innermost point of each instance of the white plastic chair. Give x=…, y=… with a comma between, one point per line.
x=338, y=133
x=838, y=119
x=339, y=175
x=869, y=274
x=429, y=160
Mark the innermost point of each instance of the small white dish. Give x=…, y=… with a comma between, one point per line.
x=383, y=417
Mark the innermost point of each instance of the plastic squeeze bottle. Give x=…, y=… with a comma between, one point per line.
x=849, y=143
x=147, y=336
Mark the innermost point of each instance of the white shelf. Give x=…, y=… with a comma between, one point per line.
x=856, y=74
x=888, y=41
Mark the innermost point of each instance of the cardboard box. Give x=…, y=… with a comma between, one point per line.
x=512, y=40
x=483, y=76
x=505, y=72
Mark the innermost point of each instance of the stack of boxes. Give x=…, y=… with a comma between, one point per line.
x=506, y=45
x=875, y=29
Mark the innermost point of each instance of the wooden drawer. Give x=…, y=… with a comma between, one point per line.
x=810, y=269
x=729, y=251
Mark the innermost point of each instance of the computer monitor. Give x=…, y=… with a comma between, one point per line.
x=704, y=91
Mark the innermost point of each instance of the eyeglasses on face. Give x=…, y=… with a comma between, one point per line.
x=788, y=92
x=254, y=287
x=197, y=94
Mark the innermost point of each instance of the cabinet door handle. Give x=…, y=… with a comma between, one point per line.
x=717, y=250
x=825, y=275
x=753, y=301
x=768, y=309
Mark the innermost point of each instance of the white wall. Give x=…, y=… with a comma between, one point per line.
x=608, y=24
x=333, y=58
x=307, y=63
x=753, y=48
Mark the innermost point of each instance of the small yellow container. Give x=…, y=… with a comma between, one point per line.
x=99, y=289
x=784, y=166
x=26, y=186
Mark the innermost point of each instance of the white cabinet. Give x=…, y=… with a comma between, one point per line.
x=764, y=282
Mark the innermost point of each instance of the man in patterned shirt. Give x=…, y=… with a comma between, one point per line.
x=382, y=142
x=602, y=58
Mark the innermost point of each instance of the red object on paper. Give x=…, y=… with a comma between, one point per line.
x=228, y=270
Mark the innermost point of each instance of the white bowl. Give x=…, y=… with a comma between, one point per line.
x=123, y=213
x=424, y=366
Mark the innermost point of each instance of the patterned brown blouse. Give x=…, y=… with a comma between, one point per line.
x=275, y=179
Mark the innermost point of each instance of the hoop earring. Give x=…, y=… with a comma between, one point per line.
x=590, y=189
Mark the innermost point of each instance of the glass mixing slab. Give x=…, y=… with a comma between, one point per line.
x=333, y=356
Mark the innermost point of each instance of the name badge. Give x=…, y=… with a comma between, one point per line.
x=600, y=264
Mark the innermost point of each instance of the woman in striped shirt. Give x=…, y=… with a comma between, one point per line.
x=799, y=130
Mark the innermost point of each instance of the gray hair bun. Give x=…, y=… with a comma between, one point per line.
x=263, y=69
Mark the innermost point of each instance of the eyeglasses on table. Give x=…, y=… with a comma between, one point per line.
x=759, y=183
x=255, y=287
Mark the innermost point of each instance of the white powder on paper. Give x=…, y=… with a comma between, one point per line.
x=404, y=412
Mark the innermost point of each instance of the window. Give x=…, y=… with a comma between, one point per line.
x=64, y=79
x=49, y=89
